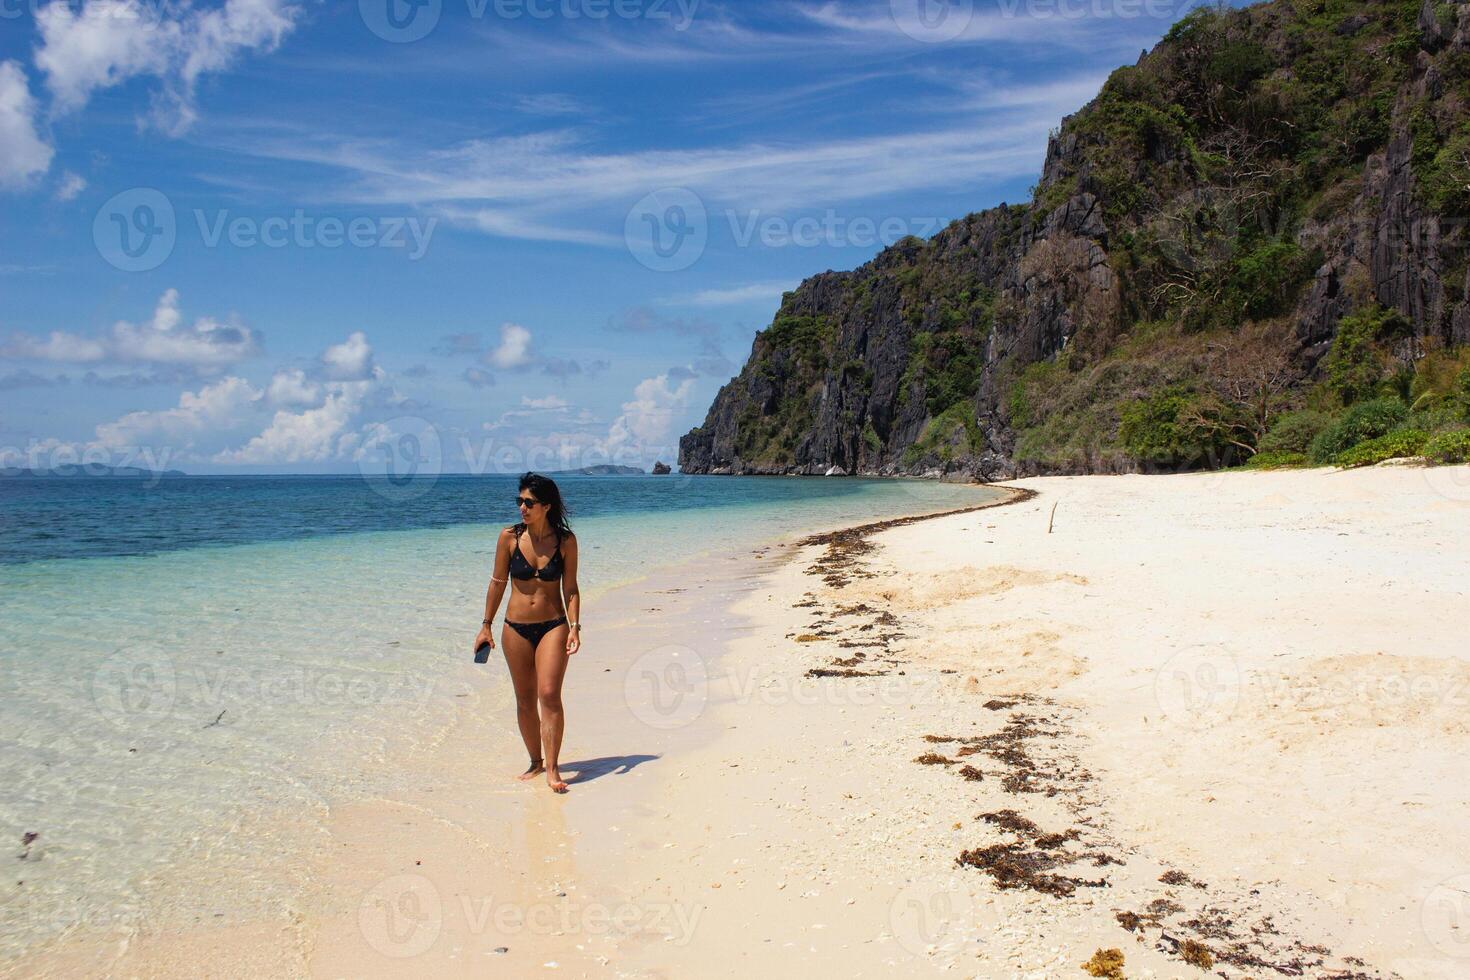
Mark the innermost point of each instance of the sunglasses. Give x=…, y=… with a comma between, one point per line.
x=527, y=502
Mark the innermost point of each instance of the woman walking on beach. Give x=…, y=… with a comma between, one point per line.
x=540, y=555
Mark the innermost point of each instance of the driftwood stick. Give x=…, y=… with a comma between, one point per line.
x=1051, y=517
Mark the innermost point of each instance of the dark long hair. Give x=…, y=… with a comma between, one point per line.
x=544, y=489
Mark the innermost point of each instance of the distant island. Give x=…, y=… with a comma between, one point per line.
x=88, y=470
x=606, y=469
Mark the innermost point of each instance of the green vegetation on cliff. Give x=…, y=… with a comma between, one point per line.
x=1254, y=241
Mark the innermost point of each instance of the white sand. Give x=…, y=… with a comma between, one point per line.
x=1264, y=674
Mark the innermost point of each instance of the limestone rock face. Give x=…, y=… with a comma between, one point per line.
x=906, y=364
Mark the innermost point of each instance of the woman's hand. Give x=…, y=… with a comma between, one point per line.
x=574, y=641
x=482, y=638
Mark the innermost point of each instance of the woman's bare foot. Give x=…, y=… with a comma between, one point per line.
x=535, y=770
x=554, y=780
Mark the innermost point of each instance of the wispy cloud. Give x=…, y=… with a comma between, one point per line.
x=748, y=293
x=555, y=186
x=24, y=154
x=550, y=104
x=205, y=344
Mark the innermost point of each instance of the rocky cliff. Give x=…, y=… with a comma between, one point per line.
x=1175, y=287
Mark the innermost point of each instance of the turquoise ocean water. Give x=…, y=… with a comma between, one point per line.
x=180, y=658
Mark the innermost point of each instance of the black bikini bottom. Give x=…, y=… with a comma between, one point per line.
x=535, y=631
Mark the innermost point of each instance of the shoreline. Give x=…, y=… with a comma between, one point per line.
x=167, y=945
x=769, y=796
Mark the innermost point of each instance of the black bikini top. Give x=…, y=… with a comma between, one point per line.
x=521, y=568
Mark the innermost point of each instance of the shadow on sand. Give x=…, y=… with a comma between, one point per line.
x=586, y=770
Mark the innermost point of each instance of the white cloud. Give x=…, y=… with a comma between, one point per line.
x=753, y=292
x=71, y=185
x=218, y=407
x=313, y=420
x=312, y=435
x=351, y=360
x=205, y=344
x=103, y=44
x=550, y=403
x=291, y=388
x=24, y=156
x=647, y=422
x=106, y=42
x=557, y=437
x=56, y=346
x=514, y=341
x=321, y=431
x=321, y=425
x=551, y=406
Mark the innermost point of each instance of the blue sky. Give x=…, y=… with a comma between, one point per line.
x=285, y=236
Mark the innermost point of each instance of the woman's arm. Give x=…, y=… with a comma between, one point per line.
x=572, y=596
x=496, y=590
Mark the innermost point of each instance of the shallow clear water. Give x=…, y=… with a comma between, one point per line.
x=176, y=661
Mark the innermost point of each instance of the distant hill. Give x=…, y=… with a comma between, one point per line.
x=93, y=471
x=605, y=469
x=1253, y=240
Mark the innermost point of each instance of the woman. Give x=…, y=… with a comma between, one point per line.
x=540, y=556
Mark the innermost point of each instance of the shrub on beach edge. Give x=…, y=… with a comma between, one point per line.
x=1448, y=447
x=1395, y=445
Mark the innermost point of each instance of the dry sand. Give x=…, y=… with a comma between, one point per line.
x=1253, y=686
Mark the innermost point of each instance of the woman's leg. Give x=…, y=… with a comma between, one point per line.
x=551, y=667
x=520, y=657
